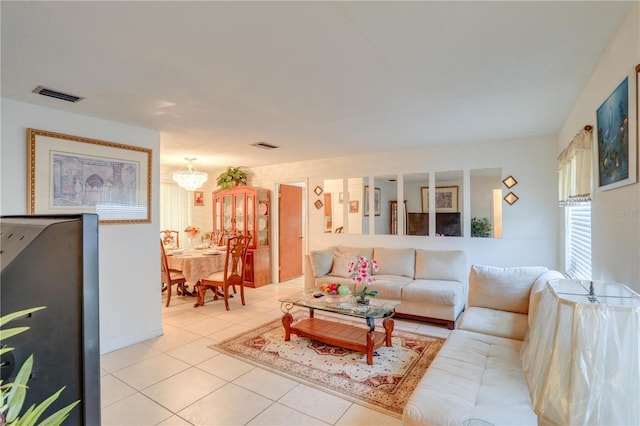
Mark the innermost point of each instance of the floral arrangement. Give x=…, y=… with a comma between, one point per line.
x=361, y=270
x=193, y=230
x=334, y=289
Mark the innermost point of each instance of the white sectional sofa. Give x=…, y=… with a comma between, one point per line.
x=478, y=373
x=431, y=285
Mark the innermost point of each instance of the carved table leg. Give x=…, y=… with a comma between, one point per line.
x=199, y=291
x=388, y=328
x=371, y=339
x=287, y=319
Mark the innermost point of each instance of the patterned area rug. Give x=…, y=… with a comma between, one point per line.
x=386, y=385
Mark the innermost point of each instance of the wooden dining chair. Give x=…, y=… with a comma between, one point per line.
x=170, y=238
x=170, y=277
x=217, y=238
x=232, y=275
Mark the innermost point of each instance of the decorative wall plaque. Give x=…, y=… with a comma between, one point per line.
x=509, y=181
x=511, y=198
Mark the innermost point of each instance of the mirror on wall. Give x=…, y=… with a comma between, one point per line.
x=385, y=191
x=485, y=186
x=448, y=201
x=333, y=206
x=357, y=223
x=416, y=220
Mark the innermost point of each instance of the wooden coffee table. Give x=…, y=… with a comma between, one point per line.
x=337, y=333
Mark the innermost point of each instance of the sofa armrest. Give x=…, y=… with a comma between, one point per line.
x=309, y=277
x=536, y=292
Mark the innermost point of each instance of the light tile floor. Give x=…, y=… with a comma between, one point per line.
x=175, y=379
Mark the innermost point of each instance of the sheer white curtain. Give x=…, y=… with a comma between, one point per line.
x=574, y=170
x=174, y=208
x=574, y=193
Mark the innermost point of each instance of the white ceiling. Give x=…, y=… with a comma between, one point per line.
x=318, y=79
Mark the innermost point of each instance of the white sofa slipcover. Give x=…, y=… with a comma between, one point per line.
x=431, y=285
x=478, y=373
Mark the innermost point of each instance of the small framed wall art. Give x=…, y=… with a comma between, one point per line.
x=509, y=181
x=318, y=204
x=198, y=198
x=511, y=198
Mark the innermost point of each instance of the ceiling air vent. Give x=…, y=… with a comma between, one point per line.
x=40, y=90
x=264, y=145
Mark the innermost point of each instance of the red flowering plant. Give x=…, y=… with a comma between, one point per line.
x=362, y=275
x=192, y=231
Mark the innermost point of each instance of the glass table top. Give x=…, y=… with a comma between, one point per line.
x=377, y=308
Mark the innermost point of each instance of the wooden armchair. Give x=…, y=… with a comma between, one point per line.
x=170, y=238
x=170, y=277
x=232, y=275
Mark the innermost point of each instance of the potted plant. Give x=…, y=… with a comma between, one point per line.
x=361, y=296
x=13, y=394
x=233, y=176
x=480, y=227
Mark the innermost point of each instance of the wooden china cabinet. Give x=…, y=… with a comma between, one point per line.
x=246, y=210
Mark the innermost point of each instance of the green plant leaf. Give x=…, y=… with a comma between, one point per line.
x=4, y=351
x=58, y=417
x=16, y=396
x=35, y=411
x=9, y=332
x=10, y=317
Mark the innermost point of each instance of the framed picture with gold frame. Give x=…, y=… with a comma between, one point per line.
x=71, y=174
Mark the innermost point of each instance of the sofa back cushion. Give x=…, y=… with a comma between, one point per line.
x=341, y=263
x=399, y=261
x=441, y=265
x=506, y=289
x=355, y=251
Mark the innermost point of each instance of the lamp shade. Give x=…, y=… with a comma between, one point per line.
x=582, y=361
x=189, y=178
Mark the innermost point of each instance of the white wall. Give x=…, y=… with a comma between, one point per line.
x=530, y=227
x=616, y=212
x=129, y=258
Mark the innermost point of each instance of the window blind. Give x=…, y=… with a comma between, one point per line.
x=578, y=240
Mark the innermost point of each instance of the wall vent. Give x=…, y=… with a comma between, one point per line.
x=264, y=145
x=41, y=90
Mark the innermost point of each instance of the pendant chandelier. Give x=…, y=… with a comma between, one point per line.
x=190, y=178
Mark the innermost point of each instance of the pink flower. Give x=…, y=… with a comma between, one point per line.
x=361, y=269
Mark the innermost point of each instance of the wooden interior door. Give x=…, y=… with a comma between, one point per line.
x=290, y=232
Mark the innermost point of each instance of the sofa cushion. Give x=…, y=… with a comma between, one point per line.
x=506, y=289
x=441, y=265
x=340, y=266
x=355, y=251
x=387, y=286
x=321, y=262
x=395, y=261
x=473, y=376
x=494, y=322
x=434, y=291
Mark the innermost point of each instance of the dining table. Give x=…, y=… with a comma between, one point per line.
x=196, y=264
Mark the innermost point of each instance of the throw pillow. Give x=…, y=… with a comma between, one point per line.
x=341, y=266
x=321, y=261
